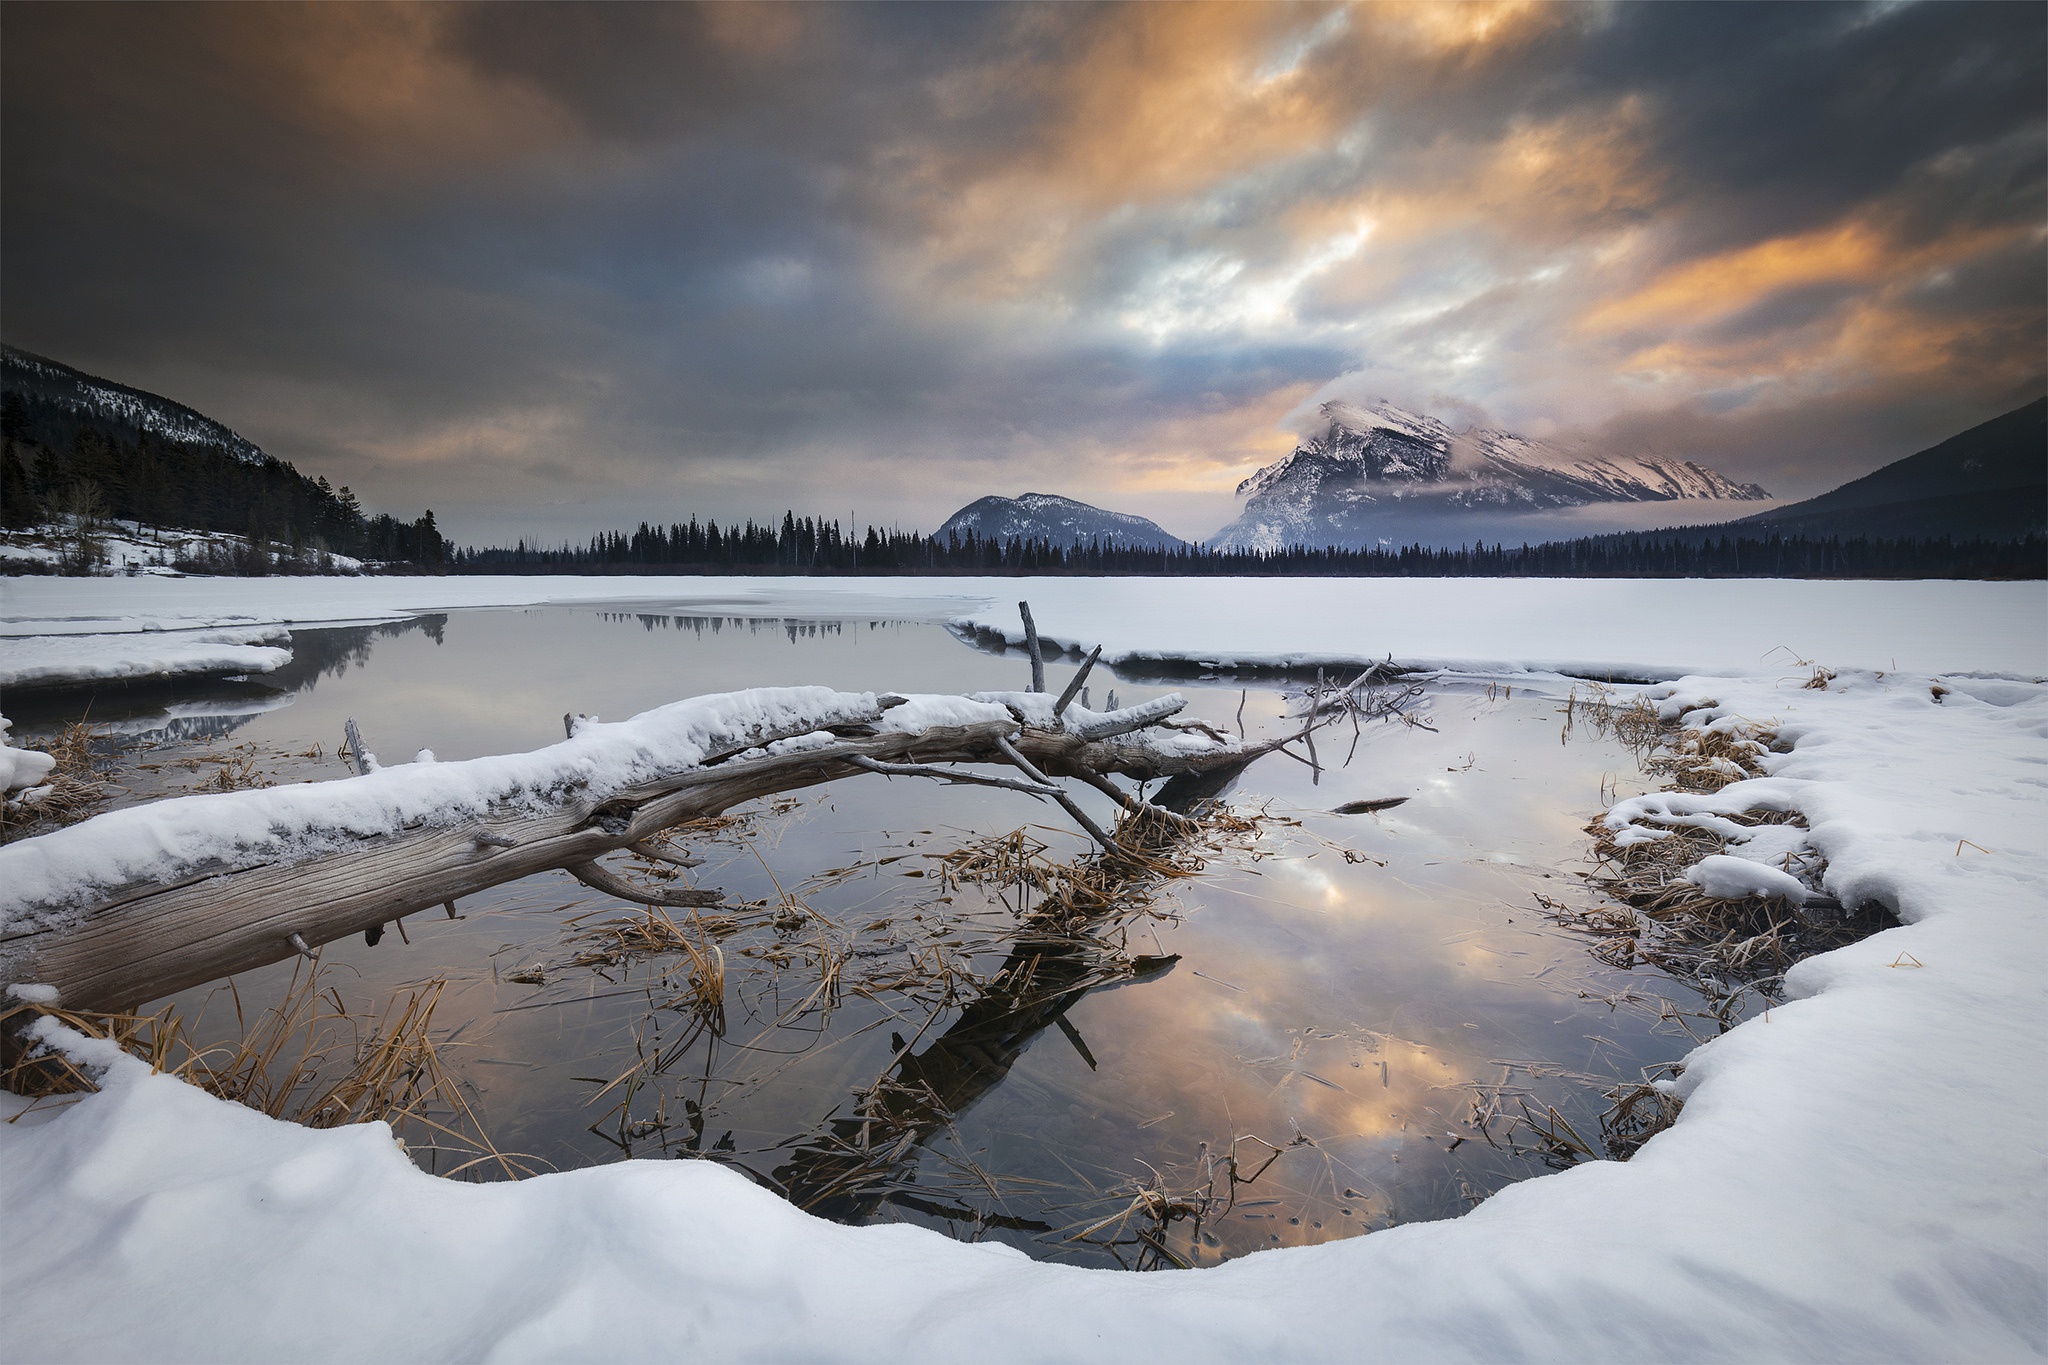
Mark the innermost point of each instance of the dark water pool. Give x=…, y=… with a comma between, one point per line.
x=1357, y=1008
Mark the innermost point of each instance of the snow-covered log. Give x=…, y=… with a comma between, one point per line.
x=138, y=903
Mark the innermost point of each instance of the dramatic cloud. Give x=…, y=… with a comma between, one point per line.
x=549, y=268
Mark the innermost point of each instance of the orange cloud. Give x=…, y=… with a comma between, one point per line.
x=1171, y=99
x=1463, y=24
x=1856, y=251
x=1849, y=252
x=1879, y=334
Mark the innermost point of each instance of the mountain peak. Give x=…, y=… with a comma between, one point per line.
x=1380, y=415
x=1063, y=521
x=1380, y=471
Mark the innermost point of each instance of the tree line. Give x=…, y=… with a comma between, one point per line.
x=810, y=545
x=56, y=463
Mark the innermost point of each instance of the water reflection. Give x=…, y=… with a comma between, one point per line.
x=1349, y=996
x=207, y=709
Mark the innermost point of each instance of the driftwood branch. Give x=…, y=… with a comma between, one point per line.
x=1073, y=689
x=352, y=740
x=597, y=879
x=874, y=765
x=641, y=848
x=1111, y=723
x=1031, y=647
x=136, y=943
x=1072, y=807
x=1133, y=805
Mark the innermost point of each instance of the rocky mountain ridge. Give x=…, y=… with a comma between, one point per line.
x=1379, y=471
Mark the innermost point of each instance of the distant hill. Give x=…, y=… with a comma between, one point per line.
x=1060, y=521
x=1990, y=482
x=54, y=392
x=1381, y=474
x=74, y=442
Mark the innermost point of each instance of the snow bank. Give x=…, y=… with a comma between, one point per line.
x=20, y=768
x=1625, y=628
x=1638, y=628
x=1857, y=1174
x=41, y=878
x=48, y=660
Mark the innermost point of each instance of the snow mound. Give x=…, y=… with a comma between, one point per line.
x=1726, y=877
x=21, y=768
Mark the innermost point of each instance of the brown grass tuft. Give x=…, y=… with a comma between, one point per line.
x=308, y=1059
x=77, y=788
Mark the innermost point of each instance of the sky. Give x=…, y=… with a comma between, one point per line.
x=549, y=270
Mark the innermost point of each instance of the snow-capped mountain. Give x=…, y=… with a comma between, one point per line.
x=104, y=403
x=1047, y=516
x=1380, y=472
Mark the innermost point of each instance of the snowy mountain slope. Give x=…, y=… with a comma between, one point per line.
x=1063, y=521
x=104, y=403
x=1379, y=470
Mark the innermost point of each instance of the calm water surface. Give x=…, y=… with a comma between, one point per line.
x=1351, y=992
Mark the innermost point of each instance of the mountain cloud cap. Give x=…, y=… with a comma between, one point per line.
x=1380, y=470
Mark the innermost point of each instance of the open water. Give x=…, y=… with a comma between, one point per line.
x=1372, y=1014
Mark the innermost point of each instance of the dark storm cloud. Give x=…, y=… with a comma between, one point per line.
x=553, y=267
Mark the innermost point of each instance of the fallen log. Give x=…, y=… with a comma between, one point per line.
x=196, y=918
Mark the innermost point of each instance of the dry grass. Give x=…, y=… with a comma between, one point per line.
x=1089, y=893
x=1721, y=947
x=1511, y=1118
x=1725, y=949
x=233, y=772
x=308, y=1059
x=1141, y=1234
x=1639, y=1113
x=77, y=788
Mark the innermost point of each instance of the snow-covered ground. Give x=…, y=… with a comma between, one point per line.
x=1642, y=628
x=1860, y=1173
x=131, y=547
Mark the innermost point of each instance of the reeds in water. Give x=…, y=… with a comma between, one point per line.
x=308, y=1059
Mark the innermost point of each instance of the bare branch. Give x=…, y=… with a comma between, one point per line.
x=1031, y=647
x=869, y=765
x=662, y=855
x=352, y=739
x=1136, y=807
x=119, y=945
x=1072, y=807
x=597, y=879
x=1074, y=687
